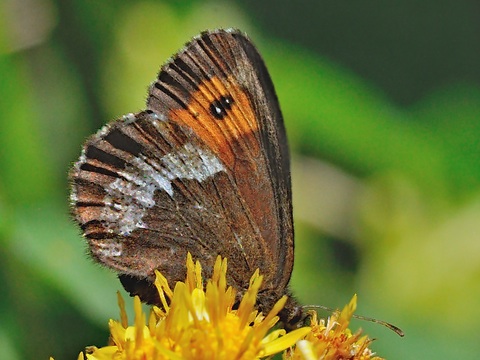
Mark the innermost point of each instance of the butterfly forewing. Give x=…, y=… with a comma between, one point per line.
x=219, y=87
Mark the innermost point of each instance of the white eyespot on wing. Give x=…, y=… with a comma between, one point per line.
x=129, y=197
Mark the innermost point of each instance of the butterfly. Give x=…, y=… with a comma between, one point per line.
x=204, y=169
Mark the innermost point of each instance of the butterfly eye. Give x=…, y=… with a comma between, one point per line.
x=220, y=107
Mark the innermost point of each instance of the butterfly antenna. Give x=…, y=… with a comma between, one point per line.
x=392, y=327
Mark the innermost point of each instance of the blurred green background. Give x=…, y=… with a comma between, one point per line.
x=382, y=107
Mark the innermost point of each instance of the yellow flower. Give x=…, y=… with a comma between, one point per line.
x=198, y=323
x=331, y=339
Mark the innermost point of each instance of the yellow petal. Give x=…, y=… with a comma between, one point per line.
x=285, y=342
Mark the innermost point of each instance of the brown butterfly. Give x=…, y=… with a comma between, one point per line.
x=204, y=169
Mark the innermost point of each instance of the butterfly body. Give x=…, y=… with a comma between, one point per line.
x=204, y=169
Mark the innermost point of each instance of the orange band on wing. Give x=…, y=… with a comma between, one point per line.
x=231, y=136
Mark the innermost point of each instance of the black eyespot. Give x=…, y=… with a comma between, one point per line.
x=219, y=108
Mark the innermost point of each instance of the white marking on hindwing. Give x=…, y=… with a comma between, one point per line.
x=129, y=118
x=108, y=249
x=129, y=197
x=73, y=195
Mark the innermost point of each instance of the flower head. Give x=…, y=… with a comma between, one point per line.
x=200, y=322
x=331, y=339
x=197, y=322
